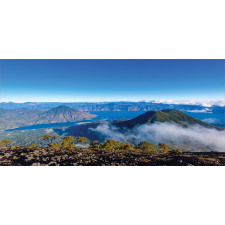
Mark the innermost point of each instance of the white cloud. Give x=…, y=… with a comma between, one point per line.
x=206, y=110
x=210, y=120
x=49, y=130
x=205, y=103
x=169, y=133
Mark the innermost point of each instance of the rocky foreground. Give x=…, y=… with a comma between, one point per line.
x=90, y=157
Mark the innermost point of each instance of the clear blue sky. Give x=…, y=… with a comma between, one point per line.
x=110, y=80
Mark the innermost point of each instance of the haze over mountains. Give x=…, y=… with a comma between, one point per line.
x=155, y=126
x=15, y=115
x=118, y=106
x=12, y=118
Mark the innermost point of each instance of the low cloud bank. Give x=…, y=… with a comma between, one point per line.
x=206, y=103
x=211, y=120
x=194, y=136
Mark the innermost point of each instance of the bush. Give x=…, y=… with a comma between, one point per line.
x=146, y=146
x=125, y=146
x=81, y=140
x=94, y=145
x=49, y=138
x=164, y=147
x=67, y=142
x=5, y=142
x=110, y=145
x=55, y=146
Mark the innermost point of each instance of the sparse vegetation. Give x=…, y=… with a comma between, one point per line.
x=164, y=147
x=94, y=145
x=67, y=142
x=146, y=146
x=110, y=145
x=5, y=142
x=55, y=146
x=109, y=152
x=49, y=138
x=82, y=140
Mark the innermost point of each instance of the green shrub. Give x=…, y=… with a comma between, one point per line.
x=81, y=140
x=110, y=145
x=5, y=142
x=146, y=146
x=164, y=147
x=94, y=145
x=67, y=142
x=55, y=146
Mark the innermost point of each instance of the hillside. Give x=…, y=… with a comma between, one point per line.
x=166, y=115
x=62, y=114
x=13, y=118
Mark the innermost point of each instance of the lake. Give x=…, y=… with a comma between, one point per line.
x=211, y=118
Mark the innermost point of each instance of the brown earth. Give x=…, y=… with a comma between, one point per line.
x=90, y=157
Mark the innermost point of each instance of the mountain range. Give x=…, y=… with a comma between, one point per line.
x=115, y=106
x=13, y=118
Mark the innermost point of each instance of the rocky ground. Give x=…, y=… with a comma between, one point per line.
x=89, y=157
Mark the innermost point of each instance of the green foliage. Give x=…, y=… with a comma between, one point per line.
x=55, y=146
x=164, y=147
x=94, y=144
x=5, y=142
x=49, y=138
x=125, y=146
x=110, y=145
x=32, y=146
x=81, y=140
x=67, y=142
x=146, y=146
x=13, y=147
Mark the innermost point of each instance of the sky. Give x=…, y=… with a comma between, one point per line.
x=110, y=80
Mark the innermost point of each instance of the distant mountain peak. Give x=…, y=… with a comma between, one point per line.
x=165, y=115
x=61, y=114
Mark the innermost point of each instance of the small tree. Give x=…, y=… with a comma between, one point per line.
x=55, y=146
x=82, y=140
x=94, y=145
x=146, y=146
x=5, y=142
x=110, y=145
x=67, y=142
x=164, y=147
x=49, y=138
x=125, y=146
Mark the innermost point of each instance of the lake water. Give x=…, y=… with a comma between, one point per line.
x=211, y=118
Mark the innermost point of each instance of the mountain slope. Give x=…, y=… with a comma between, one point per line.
x=62, y=114
x=13, y=118
x=166, y=115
